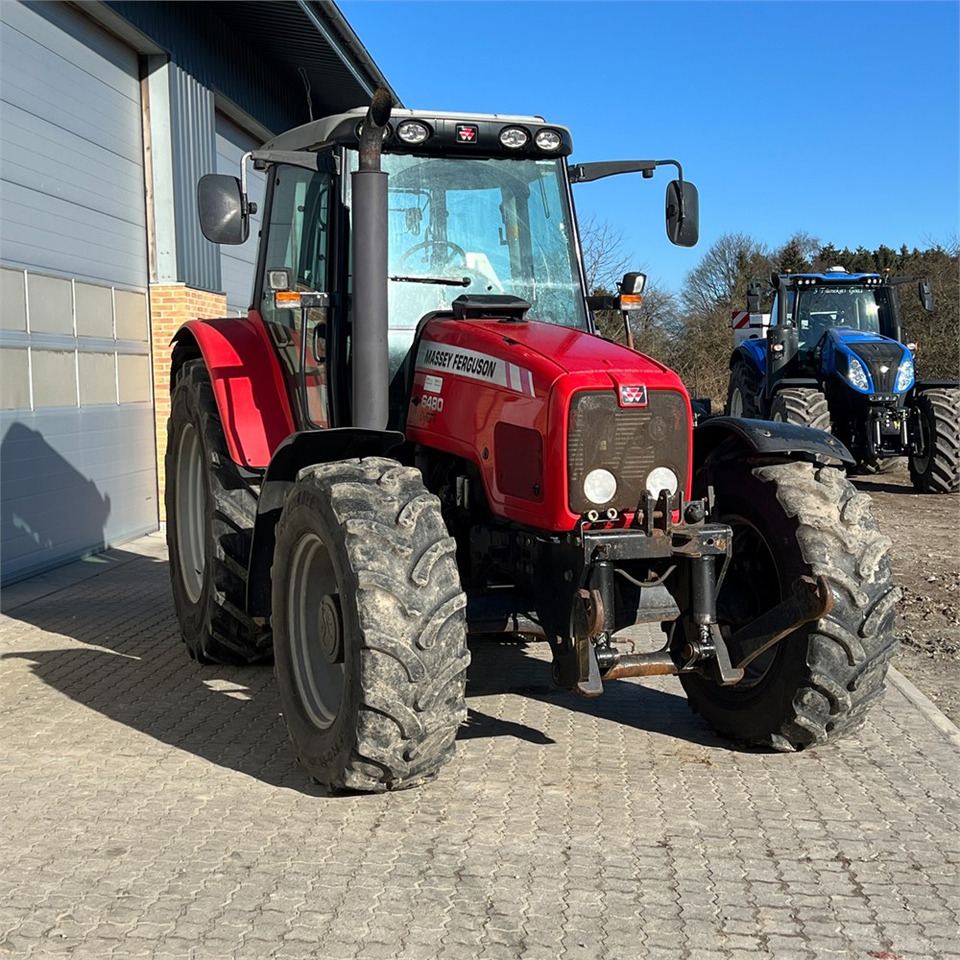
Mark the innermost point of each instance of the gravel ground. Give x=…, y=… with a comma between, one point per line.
x=926, y=566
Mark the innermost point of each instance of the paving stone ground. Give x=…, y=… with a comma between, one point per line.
x=151, y=807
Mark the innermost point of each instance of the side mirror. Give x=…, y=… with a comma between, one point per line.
x=683, y=213
x=926, y=295
x=223, y=213
x=753, y=298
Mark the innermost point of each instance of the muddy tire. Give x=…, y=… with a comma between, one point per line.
x=789, y=520
x=742, y=393
x=938, y=471
x=211, y=504
x=369, y=626
x=803, y=406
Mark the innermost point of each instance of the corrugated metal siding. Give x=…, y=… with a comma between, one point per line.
x=74, y=481
x=238, y=263
x=206, y=47
x=71, y=176
x=194, y=154
x=78, y=464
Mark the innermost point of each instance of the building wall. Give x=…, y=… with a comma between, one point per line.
x=76, y=413
x=238, y=263
x=109, y=114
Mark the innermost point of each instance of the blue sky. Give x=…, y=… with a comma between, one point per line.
x=836, y=119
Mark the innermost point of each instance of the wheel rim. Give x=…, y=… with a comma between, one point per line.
x=316, y=632
x=750, y=588
x=736, y=403
x=191, y=502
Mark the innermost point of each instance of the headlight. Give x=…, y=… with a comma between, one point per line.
x=857, y=374
x=548, y=140
x=513, y=138
x=413, y=131
x=905, y=376
x=599, y=486
x=661, y=478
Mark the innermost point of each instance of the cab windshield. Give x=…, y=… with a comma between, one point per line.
x=820, y=308
x=465, y=226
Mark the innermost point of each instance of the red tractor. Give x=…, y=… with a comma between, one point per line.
x=415, y=434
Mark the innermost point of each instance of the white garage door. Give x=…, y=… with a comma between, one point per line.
x=76, y=413
x=237, y=263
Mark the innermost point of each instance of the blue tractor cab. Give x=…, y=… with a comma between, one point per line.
x=831, y=355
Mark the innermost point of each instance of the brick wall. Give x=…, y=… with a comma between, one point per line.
x=171, y=305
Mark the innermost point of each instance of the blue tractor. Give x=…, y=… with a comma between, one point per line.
x=830, y=355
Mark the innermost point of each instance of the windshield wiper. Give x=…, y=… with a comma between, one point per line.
x=443, y=281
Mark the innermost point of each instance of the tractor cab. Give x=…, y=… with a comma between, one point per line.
x=458, y=205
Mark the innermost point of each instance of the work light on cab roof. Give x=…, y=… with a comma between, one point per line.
x=513, y=138
x=413, y=132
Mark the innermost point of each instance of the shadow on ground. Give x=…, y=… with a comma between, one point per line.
x=131, y=667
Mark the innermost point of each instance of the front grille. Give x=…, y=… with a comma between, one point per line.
x=627, y=441
x=877, y=354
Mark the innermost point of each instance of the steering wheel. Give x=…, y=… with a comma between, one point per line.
x=452, y=248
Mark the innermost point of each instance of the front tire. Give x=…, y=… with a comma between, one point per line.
x=938, y=470
x=803, y=406
x=742, y=392
x=789, y=520
x=211, y=505
x=369, y=626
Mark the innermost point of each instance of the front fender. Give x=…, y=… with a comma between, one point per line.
x=247, y=383
x=765, y=438
x=753, y=353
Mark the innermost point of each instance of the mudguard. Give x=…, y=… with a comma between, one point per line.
x=766, y=438
x=247, y=383
x=297, y=451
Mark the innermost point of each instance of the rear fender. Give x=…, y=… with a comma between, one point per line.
x=297, y=451
x=738, y=436
x=247, y=383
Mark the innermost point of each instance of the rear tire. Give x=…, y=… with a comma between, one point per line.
x=803, y=406
x=789, y=520
x=742, y=392
x=939, y=470
x=369, y=626
x=211, y=504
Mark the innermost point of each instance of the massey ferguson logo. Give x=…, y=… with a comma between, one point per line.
x=466, y=133
x=633, y=396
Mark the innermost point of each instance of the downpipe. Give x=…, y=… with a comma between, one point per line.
x=369, y=349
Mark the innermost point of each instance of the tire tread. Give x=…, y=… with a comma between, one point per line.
x=411, y=614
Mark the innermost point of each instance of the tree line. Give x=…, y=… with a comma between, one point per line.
x=690, y=330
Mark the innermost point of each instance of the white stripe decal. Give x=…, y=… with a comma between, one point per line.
x=474, y=365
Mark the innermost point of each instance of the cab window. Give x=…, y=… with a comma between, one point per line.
x=298, y=240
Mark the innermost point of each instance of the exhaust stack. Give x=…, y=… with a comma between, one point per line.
x=369, y=348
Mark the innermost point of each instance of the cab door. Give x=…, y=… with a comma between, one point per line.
x=297, y=247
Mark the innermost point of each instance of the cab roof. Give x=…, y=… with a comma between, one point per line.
x=447, y=133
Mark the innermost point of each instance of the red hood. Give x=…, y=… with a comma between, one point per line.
x=545, y=345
